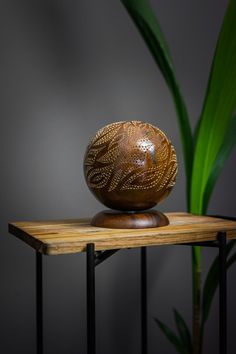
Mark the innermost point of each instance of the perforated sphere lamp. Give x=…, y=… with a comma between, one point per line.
x=130, y=166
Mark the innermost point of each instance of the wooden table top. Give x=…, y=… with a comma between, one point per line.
x=71, y=236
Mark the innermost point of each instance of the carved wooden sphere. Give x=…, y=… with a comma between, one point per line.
x=130, y=166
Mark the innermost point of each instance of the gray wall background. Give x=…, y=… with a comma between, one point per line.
x=67, y=69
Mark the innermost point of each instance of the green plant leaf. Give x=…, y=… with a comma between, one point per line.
x=231, y=260
x=171, y=336
x=184, y=333
x=224, y=152
x=204, y=155
x=196, y=131
x=211, y=283
x=218, y=109
x=147, y=23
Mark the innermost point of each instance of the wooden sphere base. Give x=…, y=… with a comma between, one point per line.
x=129, y=220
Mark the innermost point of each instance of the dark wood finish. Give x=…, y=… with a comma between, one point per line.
x=129, y=220
x=71, y=236
x=130, y=166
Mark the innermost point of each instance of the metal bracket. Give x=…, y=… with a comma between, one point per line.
x=101, y=256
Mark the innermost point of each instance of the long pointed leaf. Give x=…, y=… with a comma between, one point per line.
x=184, y=333
x=171, y=336
x=211, y=284
x=147, y=23
x=231, y=260
x=219, y=106
x=226, y=148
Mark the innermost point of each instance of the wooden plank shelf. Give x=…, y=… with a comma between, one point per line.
x=71, y=236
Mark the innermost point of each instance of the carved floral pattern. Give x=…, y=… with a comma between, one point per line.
x=130, y=156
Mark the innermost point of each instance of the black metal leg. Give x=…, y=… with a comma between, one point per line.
x=144, y=344
x=39, y=302
x=222, y=238
x=91, y=335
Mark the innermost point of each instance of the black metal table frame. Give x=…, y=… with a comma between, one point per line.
x=94, y=258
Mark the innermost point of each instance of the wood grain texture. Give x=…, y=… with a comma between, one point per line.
x=71, y=236
x=123, y=220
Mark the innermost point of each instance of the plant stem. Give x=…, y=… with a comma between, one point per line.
x=196, y=278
